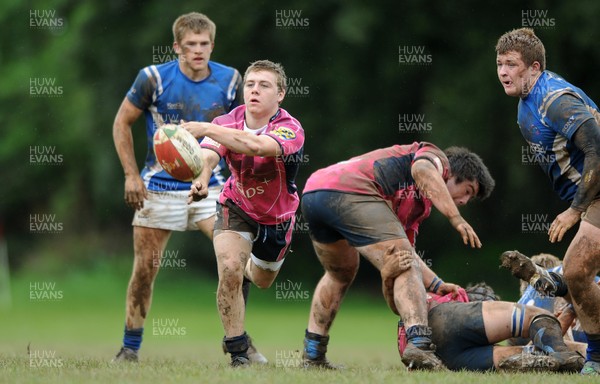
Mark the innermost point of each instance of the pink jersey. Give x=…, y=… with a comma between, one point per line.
x=385, y=173
x=264, y=187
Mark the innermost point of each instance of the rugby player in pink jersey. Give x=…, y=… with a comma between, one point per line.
x=255, y=214
x=372, y=205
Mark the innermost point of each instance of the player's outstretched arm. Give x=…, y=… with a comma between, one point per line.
x=135, y=191
x=431, y=184
x=199, y=188
x=236, y=140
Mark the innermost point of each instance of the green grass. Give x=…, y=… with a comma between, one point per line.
x=73, y=338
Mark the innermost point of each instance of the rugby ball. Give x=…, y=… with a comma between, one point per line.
x=178, y=152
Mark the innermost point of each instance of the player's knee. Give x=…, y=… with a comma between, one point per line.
x=263, y=283
x=343, y=275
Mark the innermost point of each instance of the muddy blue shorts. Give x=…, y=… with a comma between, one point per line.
x=459, y=335
x=360, y=219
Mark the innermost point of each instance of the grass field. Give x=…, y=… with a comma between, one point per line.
x=73, y=327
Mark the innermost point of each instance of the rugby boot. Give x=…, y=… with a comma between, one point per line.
x=569, y=361
x=126, y=354
x=529, y=362
x=591, y=368
x=522, y=267
x=254, y=355
x=240, y=361
x=425, y=359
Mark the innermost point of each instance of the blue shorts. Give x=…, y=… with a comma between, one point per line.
x=271, y=242
x=360, y=219
x=459, y=335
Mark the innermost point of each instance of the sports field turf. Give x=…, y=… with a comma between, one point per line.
x=74, y=332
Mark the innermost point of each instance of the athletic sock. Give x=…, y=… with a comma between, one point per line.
x=237, y=345
x=315, y=345
x=593, y=347
x=132, y=338
x=546, y=334
x=561, y=285
x=419, y=336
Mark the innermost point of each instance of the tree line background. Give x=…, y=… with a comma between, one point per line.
x=358, y=70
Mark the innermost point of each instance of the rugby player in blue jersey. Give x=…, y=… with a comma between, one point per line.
x=560, y=124
x=190, y=88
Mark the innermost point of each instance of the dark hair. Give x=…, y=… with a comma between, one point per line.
x=466, y=165
x=481, y=292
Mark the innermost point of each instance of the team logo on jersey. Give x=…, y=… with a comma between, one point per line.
x=284, y=133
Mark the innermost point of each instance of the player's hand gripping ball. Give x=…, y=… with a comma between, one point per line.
x=178, y=152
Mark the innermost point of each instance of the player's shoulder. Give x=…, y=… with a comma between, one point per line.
x=283, y=117
x=427, y=148
x=222, y=71
x=160, y=69
x=232, y=119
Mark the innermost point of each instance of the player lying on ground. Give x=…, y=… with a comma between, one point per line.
x=372, y=205
x=467, y=327
x=546, y=289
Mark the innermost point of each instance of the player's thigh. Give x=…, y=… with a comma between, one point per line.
x=582, y=260
x=201, y=214
x=149, y=243
x=498, y=319
x=207, y=226
x=232, y=249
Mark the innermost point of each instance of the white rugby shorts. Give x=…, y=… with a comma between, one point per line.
x=170, y=210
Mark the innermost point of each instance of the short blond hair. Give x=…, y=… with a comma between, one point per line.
x=525, y=42
x=194, y=22
x=267, y=65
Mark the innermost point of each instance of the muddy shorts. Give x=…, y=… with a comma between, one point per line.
x=459, y=336
x=360, y=219
x=169, y=210
x=270, y=244
x=592, y=214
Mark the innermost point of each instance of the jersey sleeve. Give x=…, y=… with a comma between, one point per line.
x=289, y=134
x=566, y=114
x=435, y=155
x=140, y=93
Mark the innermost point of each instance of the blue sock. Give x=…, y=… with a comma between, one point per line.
x=133, y=338
x=315, y=345
x=593, y=347
x=419, y=336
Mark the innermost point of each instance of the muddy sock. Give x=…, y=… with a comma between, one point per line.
x=237, y=346
x=593, y=347
x=561, y=285
x=419, y=336
x=315, y=345
x=545, y=332
x=132, y=338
